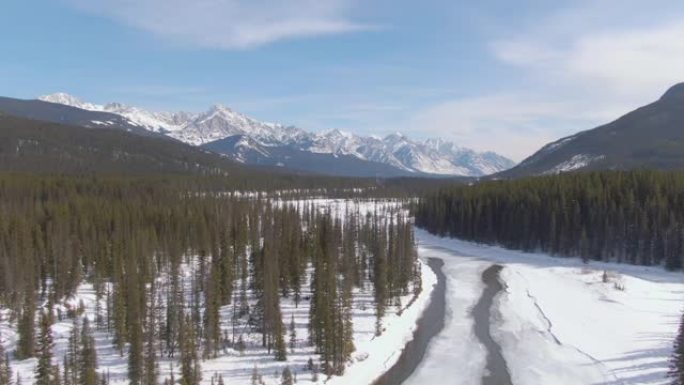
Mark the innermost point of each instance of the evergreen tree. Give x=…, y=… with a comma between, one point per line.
x=293, y=334
x=26, y=327
x=87, y=356
x=190, y=366
x=45, y=372
x=72, y=363
x=151, y=369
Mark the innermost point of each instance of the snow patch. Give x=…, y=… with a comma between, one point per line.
x=575, y=163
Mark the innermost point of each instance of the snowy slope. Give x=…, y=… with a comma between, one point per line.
x=431, y=156
x=557, y=322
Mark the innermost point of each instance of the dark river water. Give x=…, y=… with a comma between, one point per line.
x=432, y=322
x=429, y=325
x=496, y=371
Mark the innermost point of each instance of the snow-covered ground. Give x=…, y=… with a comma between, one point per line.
x=372, y=357
x=558, y=322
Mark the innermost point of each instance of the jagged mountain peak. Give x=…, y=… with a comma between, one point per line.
x=221, y=109
x=221, y=123
x=66, y=99
x=337, y=133
x=395, y=137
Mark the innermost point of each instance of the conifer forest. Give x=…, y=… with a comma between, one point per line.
x=632, y=217
x=170, y=278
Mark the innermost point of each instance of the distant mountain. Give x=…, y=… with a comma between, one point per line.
x=69, y=115
x=37, y=146
x=249, y=151
x=332, y=152
x=650, y=137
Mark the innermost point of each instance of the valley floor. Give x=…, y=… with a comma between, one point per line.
x=558, y=321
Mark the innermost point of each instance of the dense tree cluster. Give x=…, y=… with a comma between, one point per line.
x=165, y=258
x=632, y=217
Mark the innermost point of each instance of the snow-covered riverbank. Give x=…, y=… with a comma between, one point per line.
x=558, y=321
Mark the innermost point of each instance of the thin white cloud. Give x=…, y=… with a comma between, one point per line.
x=514, y=125
x=627, y=62
x=579, y=67
x=229, y=24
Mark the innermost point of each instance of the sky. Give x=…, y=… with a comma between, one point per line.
x=499, y=75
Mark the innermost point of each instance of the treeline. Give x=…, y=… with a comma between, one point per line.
x=632, y=217
x=165, y=258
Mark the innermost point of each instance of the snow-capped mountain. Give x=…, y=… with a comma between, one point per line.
x=218, y=122
x=246, y=139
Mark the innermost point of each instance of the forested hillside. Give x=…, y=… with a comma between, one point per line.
x=631, y=217
x=181, y=276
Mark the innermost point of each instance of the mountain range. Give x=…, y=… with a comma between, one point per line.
x=650, y=137
x=247, y=140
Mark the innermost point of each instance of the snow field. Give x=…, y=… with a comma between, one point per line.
x=558, y=322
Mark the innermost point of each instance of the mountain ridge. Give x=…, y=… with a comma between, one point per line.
x=431, y=156
x=650, y=137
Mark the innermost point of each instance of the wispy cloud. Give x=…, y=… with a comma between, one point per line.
x=579, y=67
x=634, y=61
x=229, y=24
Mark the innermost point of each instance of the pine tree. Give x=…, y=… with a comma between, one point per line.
x=380, y=267
x=26, y=327
x=119, y=317
x=87, y=356
x=190, y=366
x=151, y=368
x=293, y=334
x=212, y=302
x=45, y=373
x=72, y=368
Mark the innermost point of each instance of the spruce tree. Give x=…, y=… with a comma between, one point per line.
x=190, y=366
x=26, y=327
x=293, y=334
x=87, y=356
x=45, y=372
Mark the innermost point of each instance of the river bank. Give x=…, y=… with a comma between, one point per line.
x=428, y=326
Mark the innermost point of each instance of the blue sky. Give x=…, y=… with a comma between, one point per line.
x=491, y=75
